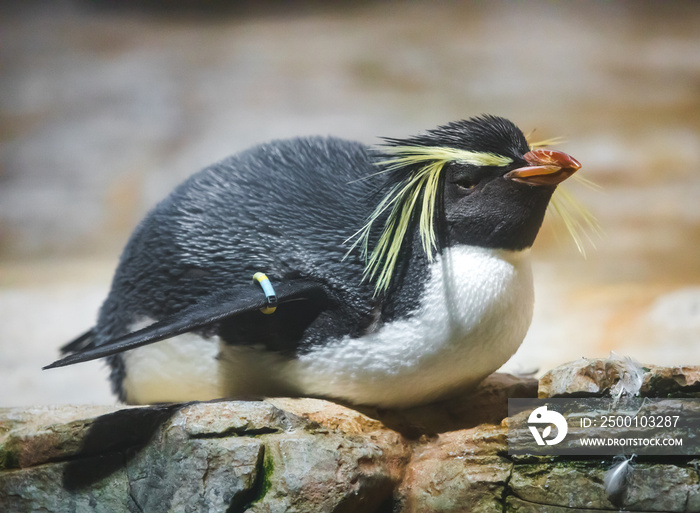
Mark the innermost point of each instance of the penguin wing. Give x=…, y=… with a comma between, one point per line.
x=215, y=308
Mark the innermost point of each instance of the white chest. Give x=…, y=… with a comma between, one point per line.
x=474, y=313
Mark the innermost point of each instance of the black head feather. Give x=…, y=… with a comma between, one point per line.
x=487, y=134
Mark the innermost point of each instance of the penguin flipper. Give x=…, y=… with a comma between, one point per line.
x=215, y=308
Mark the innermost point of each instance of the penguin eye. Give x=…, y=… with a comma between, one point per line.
x=466, y=184
x=466, y=181
x=466, y=178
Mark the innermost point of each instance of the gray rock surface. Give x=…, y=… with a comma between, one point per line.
x=309, y=455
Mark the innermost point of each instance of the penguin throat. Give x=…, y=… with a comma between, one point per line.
x=511, y=227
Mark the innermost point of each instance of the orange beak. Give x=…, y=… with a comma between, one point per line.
x=547, y=167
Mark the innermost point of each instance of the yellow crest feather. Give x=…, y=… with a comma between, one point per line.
x=578, y=221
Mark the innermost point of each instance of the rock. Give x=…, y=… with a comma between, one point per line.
x=598, y=377
x=312, y=455
x=587, y=377
x=219, y=456
x=460, y=468
x=593, y=377
x=681, y=381
x=561, y=482
x=40, y=489
x=663, y=487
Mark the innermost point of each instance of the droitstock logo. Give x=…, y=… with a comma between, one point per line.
x=543, y=416
x=597, y=426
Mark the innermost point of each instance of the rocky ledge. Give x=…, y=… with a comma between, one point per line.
x=310, y=455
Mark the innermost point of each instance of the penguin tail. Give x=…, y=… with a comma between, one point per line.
x=83, y=342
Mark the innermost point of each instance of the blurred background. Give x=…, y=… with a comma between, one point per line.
x=106, y=105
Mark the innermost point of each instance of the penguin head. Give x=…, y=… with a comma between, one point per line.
x=499, y=203
x=475, y=182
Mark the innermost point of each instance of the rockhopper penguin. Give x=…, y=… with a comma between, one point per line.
x=391, y=276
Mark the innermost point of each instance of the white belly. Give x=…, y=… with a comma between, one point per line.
x=474, y=314
x=182, y=368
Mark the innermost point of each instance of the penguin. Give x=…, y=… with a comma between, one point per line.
x=387, y=276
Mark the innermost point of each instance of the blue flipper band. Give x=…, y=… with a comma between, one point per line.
x=269, y=292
